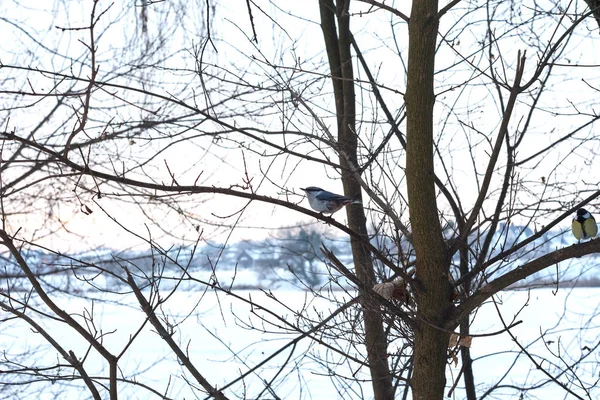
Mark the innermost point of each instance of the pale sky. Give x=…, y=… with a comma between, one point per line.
x=292, y=42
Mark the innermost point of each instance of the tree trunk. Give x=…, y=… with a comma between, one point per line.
x=338, y=46
x=433, y=300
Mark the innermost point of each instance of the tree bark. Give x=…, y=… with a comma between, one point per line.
x=433, y=301
x=338, y=45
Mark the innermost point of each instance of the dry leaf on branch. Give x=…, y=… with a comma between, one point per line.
x=392, y=290
x=458, y=340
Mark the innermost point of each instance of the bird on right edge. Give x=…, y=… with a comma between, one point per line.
x=584, y=225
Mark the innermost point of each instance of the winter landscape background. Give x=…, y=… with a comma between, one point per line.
x=222, y=344
x=216, y=318
x=156, y=243
x=293, y=261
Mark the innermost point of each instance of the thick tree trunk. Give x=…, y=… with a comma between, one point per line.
x=433, y=301
x=340, y=62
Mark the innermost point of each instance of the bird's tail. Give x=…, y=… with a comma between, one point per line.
x=350, y=201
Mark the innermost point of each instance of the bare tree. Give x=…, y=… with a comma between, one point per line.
x=465, y=128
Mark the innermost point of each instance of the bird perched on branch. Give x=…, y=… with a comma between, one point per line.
x=326, y=202
x=594, y=6
x=584, y=225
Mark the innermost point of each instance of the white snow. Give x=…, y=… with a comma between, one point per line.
x=215, y=331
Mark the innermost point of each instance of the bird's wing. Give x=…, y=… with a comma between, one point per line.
x=591, y=229
x=328, y=196
x=577, y=229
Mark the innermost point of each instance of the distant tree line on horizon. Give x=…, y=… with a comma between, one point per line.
x=297, y=251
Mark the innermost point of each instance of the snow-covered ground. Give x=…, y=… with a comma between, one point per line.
x=214, y=329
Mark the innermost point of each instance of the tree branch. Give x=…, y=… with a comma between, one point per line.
x=68, y=356
x=525, y=242
x=387, y=8
x=8, y=242
x=522, y=272
x=502, y=132
x=166, y=336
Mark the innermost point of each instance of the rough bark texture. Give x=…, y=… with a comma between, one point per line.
x=338, y=44
x=433, y=302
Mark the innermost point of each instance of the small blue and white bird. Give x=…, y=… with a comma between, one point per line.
x=326, y=202
x=584, y=225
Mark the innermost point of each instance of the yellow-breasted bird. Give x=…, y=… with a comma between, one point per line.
x=584, y=225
